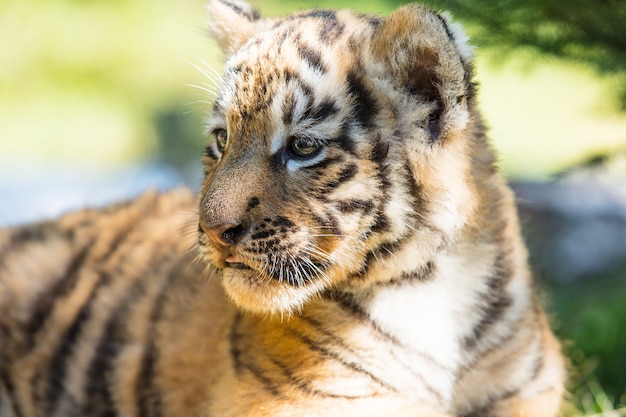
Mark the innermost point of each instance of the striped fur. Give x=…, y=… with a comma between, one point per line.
x=356, y=251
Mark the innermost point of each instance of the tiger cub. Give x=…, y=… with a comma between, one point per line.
x=356, y=251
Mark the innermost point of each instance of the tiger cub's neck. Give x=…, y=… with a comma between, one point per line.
x=461, y=300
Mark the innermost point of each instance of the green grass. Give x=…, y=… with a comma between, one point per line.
x=590, y=317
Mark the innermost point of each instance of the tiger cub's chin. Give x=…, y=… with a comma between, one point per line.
x=256, y=293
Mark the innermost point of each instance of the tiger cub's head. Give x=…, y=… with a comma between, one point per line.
x=339, y=153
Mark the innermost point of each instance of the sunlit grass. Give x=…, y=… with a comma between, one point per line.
x=589, y=317
x=588, y=398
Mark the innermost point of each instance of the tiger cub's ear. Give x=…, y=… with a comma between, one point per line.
x=232, y=23
x=427, y=56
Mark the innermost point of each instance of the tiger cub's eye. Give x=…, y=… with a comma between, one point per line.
x=304, y=148
x=221, y=139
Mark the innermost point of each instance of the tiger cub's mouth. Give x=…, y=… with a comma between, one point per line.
x=237, y=265
x=292, y=271
x=233, y=261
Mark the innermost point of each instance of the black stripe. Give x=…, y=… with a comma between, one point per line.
x=5, y=380
x=29, y=233
x=282, y=37
x=331, y=28
x=346, y=174
x=322, y=111
x=382, y=251
x=259, y=374
x=345, y=140
x=288, y=106
x=243, y=363
x=379, y=155
x=57, y=370
x=468, y=366
x=147, y=393
x=210, y=153
x=514, y=391
x=330, y=224
x=382, y=223
x=445, y=26
x=372, y=20
x=538, y=366
x=365, y=104
x=539, y=358
x=305, y=386
x=148, y=399
x=331, y=338
x=352, y=205
x=325, y=353
x=99, y=400
x=387, y=249
x=325, y=163
x=418, y=203
x=263, y=234
x=512, y=330
x=434, y=121
x=486, y=410
x=312, y=57
x=46, y=302
x=422, y=274
x=348, y=303
x=251, y=14
x=307, y=90
x=317, y=14
x=235, y=349
x=284, y=223
x=380, y=150
x=494, y=302
x=319, y=327
x=470, y=87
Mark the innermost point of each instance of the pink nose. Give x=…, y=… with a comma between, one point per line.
x=223, y=234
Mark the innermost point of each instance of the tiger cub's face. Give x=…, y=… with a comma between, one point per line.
x=328, y=143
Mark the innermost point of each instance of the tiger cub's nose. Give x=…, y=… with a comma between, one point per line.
x=225, y=234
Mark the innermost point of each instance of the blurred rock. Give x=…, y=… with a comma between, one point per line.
x=575, y=226
x=49, y=191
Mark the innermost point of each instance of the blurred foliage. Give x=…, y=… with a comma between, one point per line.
x=591, y=32
x=99, y=82
x=84, y=80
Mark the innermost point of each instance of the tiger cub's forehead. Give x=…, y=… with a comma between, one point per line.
x=295, y=73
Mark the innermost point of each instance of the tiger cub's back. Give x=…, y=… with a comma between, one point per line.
x=102, y=311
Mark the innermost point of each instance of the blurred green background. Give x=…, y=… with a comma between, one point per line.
x=96, y=86
x=100, y=82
